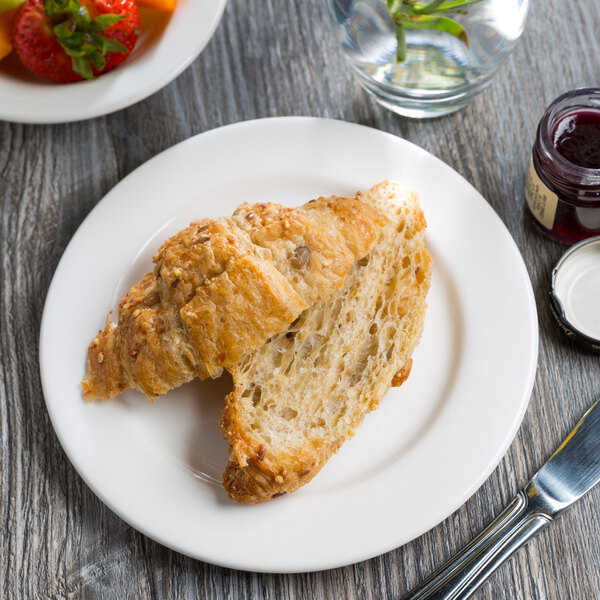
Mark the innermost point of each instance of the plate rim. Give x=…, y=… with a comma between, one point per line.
x=499, y=454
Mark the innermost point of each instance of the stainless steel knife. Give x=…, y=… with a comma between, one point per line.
x=571, y=471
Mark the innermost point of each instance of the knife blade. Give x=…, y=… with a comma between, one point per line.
x=571, y=472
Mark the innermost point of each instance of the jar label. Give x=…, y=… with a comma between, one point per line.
x=540, y=198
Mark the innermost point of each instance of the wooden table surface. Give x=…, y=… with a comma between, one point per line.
x=273, y=58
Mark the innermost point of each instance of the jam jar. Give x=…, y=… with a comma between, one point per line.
x=563, y=185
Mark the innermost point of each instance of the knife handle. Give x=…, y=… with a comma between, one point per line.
x=464, y=573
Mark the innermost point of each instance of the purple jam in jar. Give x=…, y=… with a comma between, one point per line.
x=563, y=186
x=577, y=137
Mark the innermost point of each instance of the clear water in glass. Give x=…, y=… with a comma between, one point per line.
x=441, y=74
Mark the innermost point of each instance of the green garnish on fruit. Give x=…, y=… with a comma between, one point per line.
x=412, y=14
x=80, y=35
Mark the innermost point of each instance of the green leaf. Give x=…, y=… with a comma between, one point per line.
x=97, y=60
x=98, y=42
x=114, y=46
x=103, y=21
x=65, y=29
x=82, y=67
x=76, y=52
x=83, y=18
x=71, y=44
x=427, y=9
x=395, y=6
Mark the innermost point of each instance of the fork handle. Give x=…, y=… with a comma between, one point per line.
x=464, y=573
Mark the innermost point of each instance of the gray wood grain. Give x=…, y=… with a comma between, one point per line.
x=268, y=58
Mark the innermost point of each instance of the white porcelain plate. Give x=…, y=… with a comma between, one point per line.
x=166, y=46
x=416, y=459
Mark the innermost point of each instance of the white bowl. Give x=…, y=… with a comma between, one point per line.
x=168, y=43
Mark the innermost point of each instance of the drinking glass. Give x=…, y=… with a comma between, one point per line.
x=441, y=73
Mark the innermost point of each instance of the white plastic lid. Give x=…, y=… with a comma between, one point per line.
x=576, y=288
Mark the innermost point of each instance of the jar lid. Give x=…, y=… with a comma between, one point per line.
x=575, y=293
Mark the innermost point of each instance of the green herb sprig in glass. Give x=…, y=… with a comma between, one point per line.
x=412, y=14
